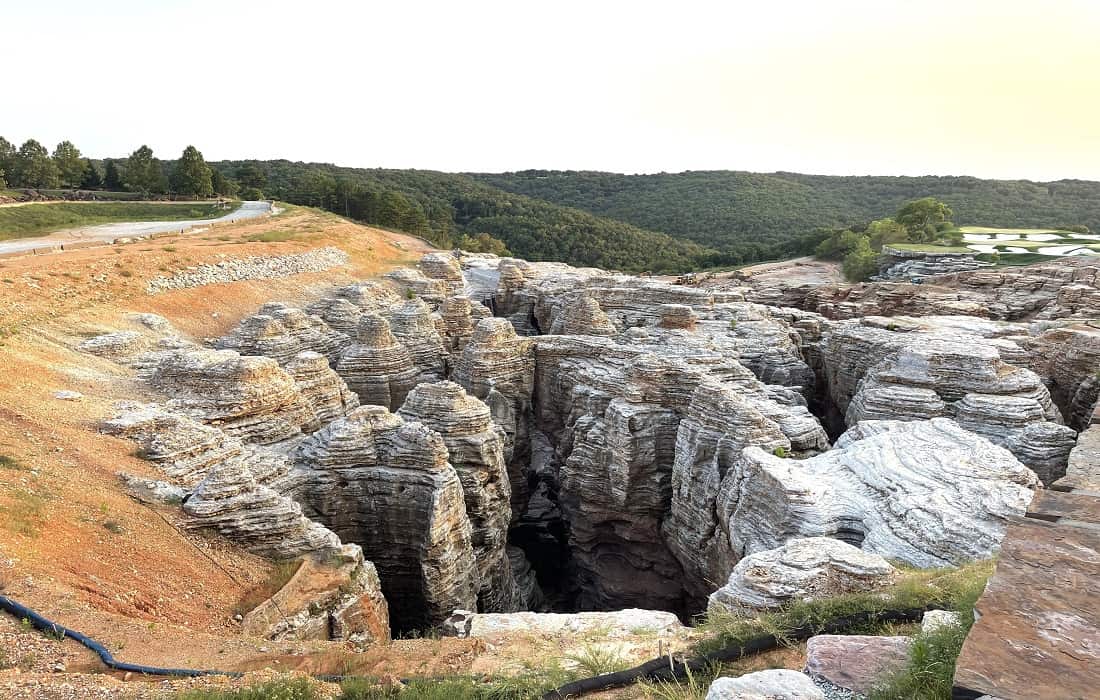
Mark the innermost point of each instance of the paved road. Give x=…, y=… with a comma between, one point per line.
x=125, y=229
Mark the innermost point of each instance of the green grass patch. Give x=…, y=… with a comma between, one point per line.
x=24, y=514
x=273, y=236
x=9, y=462
x=283, y=689
x=38, y=219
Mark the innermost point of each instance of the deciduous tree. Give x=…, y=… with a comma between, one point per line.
x=33, y=166
x=112, y=178
x=192, y=176
x=921, y=217
x=70, y=164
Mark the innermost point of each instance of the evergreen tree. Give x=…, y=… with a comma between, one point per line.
x=34, y=168
x=90, y=180
x=112, y=178
x=70, y=165
x=158, y=183
x=192, y=176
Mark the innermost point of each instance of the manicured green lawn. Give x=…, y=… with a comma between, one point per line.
x=38, y=219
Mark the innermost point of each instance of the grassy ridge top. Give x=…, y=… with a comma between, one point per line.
x=38, y=218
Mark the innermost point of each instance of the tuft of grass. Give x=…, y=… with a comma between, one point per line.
x=24, y=514
x=114, y=527
x=522, y=687
x=169, y=249
x=273, y=236
x=597, y=660
x=281, y=689
x=125, y=273
x=8, y=462
x=780, y=452
x=256, y=595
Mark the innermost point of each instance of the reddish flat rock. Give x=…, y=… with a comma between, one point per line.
x=1038, y=633
x=855, y=662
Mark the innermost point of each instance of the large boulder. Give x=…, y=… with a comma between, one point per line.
x=806, y=568
x=926, y=493
x=856, y=662
x=775, y=684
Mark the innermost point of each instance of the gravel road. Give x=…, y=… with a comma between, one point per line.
x=125, y=229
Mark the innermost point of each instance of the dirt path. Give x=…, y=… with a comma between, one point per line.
x=129, y=229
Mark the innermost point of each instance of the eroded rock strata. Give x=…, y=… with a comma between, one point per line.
x=385, y=484
x=606, y=441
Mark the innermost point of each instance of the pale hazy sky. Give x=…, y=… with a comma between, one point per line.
x=994, y=88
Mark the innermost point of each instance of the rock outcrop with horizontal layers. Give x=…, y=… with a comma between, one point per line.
x=377, y=367
x=414, y=328
x=230, y=501
x=498, y=367
x=926, y=493
x=908, y=372
x=386, y=484
x=323, y=391
x=251, y=398
x=476, y=451
x=281, y=332
x=802, y=569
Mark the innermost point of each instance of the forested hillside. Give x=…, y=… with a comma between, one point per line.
x=760, y=215
x=453, y=209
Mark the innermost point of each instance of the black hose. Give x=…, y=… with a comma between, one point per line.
x=664, y=668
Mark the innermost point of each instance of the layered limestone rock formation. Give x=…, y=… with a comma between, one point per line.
x=231, y=502
x=927, y=493
x=476, y=450
x=414, y=327
x=583, y=316
x=378, y=368
x=282, y=332
x=908, y=372
x=802, y=569
x=386, y=484
x=323, y=391
x=187, y=450
x=498, y=367
x=251, y=398
x=445, y=268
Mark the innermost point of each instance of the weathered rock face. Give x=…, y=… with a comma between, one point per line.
x=231, y=502
x=445, y=268
x=377, y=367
x=1068, y=357
x=459, y=316
x=251, y=398
x=476, y=450
x=907, y=373
x=186, y=450
x=927, y=493
x=414, y=327
x=282, y=332
x=339, y=597
x=856, y=662
x=802, y=569
x=917, y=266
x=498, y=367
x=775, y=684
x=323, y=391
x=583, y=316
x=386, y=484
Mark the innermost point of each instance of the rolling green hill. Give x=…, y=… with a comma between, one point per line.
x=444, y=207
x=761, y=215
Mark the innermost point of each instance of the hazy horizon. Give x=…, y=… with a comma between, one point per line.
x=1002, y=90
